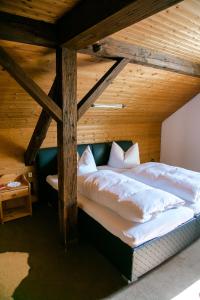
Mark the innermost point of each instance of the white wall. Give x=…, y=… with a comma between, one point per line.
x=180, y=137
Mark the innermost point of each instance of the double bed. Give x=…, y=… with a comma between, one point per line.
x=134, y=249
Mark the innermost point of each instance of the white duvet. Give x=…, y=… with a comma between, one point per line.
x=133, y=233
x=178, y=181
x=127, y=197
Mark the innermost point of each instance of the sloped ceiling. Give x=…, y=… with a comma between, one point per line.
x=150, y=95
x=43, y=10
x=174, y=31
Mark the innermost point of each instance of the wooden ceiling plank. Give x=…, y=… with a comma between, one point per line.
x=40, y=131
x=26, y=30
x=100, y=86
x=45, y=10
x=91, y=20
x=164, y=34
x=29, y=85
x=110, y=48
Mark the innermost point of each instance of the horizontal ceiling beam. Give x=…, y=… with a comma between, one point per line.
x=30, y=86
x=90, y=21
x=26, y=30
x=110, y=48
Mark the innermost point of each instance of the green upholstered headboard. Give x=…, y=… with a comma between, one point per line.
x=46, y=160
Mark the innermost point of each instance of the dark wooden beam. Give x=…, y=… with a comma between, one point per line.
x=26, y=30
x=40, y=131
x=29, y=85
x=110, y=48
x=91, y=20
x=100, y=86
x=45, y=119
x=66, y=61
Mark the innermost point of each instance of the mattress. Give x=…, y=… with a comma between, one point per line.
x=194, y=206
x=131, y=233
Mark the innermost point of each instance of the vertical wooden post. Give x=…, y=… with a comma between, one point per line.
x=67, y=142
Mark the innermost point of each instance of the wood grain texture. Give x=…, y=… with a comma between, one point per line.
x=40, y=130
x=111, y=48
x=174, y=31
x=97, y=20
x=67, y=142
x=100, y=86
x=29, y=85
x=25, y=30
x=15, y=141
x=150, y=96
x=43, y=10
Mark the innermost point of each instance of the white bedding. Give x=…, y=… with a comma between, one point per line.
x=131, y=233
x=194, y=206
x=131, y=199
x=178, y=181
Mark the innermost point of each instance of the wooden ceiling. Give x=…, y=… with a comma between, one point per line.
x=150, y=95
x=174, y=31
x=43, y=10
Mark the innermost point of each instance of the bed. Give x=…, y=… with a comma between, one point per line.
x=131, y=261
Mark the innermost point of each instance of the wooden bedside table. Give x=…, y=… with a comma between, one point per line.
x=15, y=202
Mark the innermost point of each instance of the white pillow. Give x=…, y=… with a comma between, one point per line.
x=120, y=159
x=86, y=163
x=78, y=157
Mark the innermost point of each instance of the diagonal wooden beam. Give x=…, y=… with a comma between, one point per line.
x=40, y=131
x=44, y=120
x=26, y=30
x=30, y=86
x=100, y=86
x=90, y=21
x=111, y=48
x=66, y=65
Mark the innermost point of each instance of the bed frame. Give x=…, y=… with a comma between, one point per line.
x=131, y=262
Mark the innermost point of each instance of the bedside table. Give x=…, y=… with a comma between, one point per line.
x=15, y=202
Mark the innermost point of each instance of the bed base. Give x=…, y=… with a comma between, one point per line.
x=131, y=262
x=135, y=262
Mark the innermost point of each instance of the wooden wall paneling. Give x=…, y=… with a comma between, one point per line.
x=67, y=142
x=14, y=141
x=146, y=134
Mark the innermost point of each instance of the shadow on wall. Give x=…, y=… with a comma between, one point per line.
x=36, y=63
x=11, y=149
